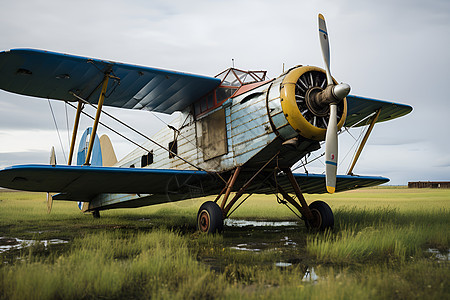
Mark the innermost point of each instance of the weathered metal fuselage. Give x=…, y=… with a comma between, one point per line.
x=246, y=130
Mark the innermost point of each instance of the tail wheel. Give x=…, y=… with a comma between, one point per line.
x=210, y=218
x=96, y=214
x=323, y=216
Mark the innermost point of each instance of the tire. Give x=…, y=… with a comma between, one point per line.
x=96, y=214
x=323, y=216
x=210, y=218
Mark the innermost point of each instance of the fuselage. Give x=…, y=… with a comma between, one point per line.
x=243, y=130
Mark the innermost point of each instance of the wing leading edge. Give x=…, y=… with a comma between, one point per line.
x=53, y=75
x=359, y=108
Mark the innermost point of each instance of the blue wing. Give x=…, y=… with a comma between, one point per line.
x=89, y=181
x=52, y=75
x=315, y=183
x=359, y=108
x=83, y=183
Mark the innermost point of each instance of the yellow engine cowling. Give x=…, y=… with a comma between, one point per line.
x=303, y=116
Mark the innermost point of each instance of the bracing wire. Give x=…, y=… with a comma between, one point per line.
x=136, y=131
x=357, y=140
x=67, y=123
x=116, y=132
x=57, y=130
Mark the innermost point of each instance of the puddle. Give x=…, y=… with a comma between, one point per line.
x=245, y=223
x=310, y=275
x=43, y=231
x=253, y=247
x=273, y=243
x=440, y=255
x=289, y=242
x=7, y=244
x=283, y=264
x=259, y=236
x=144, y=220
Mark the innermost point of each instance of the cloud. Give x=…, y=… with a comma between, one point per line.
x=393, y=50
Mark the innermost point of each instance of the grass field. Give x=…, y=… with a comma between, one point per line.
x=387, y=243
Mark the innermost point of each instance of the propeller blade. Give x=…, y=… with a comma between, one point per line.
x=331, y=150
x=323, y=37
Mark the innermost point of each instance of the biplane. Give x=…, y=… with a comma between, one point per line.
x=237, y=134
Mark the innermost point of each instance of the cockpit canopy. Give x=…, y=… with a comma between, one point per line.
x=232, y=79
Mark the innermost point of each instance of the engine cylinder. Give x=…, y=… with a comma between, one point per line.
x=297, y=89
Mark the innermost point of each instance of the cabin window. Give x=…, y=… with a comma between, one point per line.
x=173, y=147
x=224, y=93
x=146, y=159
x=213, y=99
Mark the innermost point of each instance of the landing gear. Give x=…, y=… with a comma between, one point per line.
x=210, y=218
x=96, y=214
x=323, y=216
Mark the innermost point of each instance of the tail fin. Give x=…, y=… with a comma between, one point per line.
x=96, y=157
x=108, y=155
x=53, y=157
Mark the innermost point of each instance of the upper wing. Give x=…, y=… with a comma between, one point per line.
x=82, y=183
x=358, y=108
x=53, y=75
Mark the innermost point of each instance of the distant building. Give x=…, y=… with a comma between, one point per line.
x=429, y=184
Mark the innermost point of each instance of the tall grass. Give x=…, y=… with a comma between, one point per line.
x=377, y=250
x=382, y=234
x=113, y=266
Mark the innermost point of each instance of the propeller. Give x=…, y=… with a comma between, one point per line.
x=331, y=95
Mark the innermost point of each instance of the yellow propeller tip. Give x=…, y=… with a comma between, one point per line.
x=321, y=17
x=331, y=189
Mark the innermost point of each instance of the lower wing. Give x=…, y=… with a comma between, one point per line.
x=84, y=183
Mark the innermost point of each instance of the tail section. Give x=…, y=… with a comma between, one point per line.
x=96, y=157
x=102, y=155
x=109, y=158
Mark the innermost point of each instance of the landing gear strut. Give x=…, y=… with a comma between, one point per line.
x=317, y=215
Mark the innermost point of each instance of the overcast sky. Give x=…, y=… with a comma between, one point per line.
x=390, y=50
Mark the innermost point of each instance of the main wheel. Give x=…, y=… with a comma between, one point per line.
x=323, y=216
x=96, y=214
x=209, y=218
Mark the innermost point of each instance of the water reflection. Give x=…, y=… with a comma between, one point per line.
x=7, y=244
x=245, y=223
x=440, y=255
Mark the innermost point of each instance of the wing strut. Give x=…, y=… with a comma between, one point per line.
x=97, y=119
x=74, y=132
x=363, y=142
